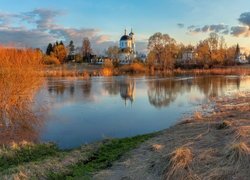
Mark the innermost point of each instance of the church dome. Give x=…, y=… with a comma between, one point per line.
x=125, y=38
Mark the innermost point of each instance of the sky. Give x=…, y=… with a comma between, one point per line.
x=35, y=23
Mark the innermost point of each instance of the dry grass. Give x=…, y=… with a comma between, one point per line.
x=19, y=81
x=68, y=73
x=216, y=71
x=157, y=147
x=179, y=162
x=238, y=155
x=198, y=115
x=132, y=68
x=241, y=132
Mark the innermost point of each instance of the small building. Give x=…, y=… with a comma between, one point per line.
x=241, y=59
x=188, y=56
x=100, y=60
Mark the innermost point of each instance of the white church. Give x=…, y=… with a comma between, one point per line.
x=127, y=48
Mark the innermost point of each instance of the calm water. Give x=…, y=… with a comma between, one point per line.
x=84, y=111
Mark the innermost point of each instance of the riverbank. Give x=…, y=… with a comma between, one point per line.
x=46, y=161
x=213, y=146
x=87, y=70
x=205, y=146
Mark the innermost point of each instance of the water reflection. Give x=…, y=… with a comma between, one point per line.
x=127, y=90
x=161, y=92
x=83, y=111
x=86, y=88
x=111, y=86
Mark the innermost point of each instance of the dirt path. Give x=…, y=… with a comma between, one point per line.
x=210, y=147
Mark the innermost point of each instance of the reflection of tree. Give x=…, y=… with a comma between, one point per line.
x=214, y=86
x=161, y=92
x=127, y=90
x=19, y=131
x=56, y=87
x=72, y=89
x=86, y=88
x=112, y=86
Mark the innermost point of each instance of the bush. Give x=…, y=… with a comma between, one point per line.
x=49, y=60
x=20, y=78
x=133, y=68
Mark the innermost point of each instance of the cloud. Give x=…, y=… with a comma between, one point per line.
x=181, y=25
x=37, y=28
x=25, y=38
x=240, y=31
x=6, y=19
x=237, y=31
x=43, y=18
x=245, y=19
x=141, y=46
x=217, y=28
x=191, y=27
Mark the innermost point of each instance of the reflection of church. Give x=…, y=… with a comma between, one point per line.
x=127, y=90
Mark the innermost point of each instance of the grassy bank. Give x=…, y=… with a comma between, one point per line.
x=47, y=161
x=21, y=154
x=209, y=146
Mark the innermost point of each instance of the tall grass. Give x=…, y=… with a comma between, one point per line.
x=179, y=162
x=19, y=80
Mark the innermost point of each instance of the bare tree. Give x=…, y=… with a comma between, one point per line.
x=86, y=49
x=113, y=53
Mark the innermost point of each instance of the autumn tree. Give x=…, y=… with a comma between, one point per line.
x=60, y=52
x=86, y=49
x=212, y=51
x=203, y=52
x=163, y=48
x=230, y=55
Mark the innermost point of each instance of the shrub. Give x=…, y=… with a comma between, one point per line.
x=49, y=60
x=19, y=79
x=133, y=68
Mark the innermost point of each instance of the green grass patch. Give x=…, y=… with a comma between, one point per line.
x=11, y=157
x=102, y=158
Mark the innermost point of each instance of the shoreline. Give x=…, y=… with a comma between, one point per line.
x=204, y=141
x=87, y=71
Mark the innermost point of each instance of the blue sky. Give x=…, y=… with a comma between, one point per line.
x=104, y=20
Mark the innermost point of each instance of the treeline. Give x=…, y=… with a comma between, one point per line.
x=166, y=53
x=58, y=53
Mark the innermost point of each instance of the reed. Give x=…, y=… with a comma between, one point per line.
x=19, y=81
